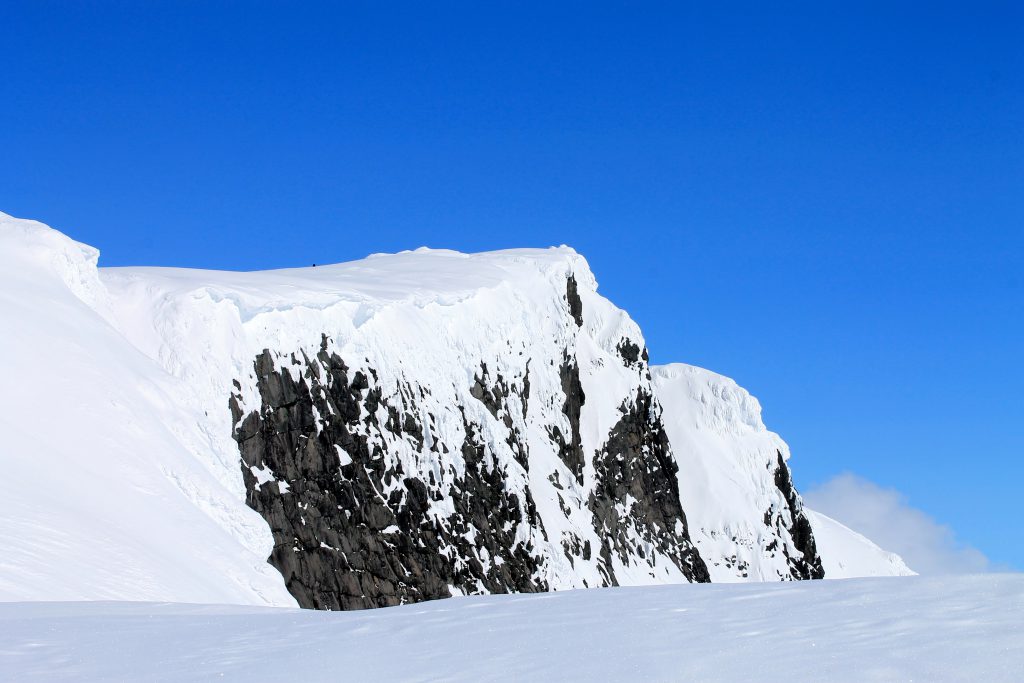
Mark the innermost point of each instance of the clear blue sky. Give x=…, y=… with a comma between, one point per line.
x=826, y=204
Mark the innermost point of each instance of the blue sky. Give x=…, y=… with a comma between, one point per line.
x=825, y=203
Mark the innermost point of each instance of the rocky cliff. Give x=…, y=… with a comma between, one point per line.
x=380, y=492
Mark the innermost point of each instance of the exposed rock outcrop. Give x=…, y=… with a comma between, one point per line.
x=805, y=562
x=351, y=530
x=636, y=501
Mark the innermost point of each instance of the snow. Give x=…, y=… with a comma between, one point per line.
x=103, y=497
x=906, y=629
x=845, y=553
x=726, y=463
x=343, y=457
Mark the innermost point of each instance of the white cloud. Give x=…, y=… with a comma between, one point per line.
x=884, y=516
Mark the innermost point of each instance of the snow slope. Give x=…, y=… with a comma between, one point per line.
x=846, y=554
x=104, y=493
x=963, y=628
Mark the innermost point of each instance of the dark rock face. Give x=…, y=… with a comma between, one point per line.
x=573, y=297
x=494, y=395
x=340, y=543
x=806, y=565
x=636, y=466
x=630, y=353
x=571, y=450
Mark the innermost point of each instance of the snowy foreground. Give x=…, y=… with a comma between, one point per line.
x=890, y=629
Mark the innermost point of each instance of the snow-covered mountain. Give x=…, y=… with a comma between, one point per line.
x=400, y=428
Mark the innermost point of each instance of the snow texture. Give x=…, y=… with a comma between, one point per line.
x=964, y=628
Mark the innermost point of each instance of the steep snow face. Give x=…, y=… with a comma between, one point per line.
x=103, y=494
x=846, y=554
x=429, y=423
x=745, y=516
x=747, y=519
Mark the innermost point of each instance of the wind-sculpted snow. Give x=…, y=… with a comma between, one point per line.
x=962, y=628
x=395, y=429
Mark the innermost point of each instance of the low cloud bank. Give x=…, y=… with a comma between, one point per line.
x=885, y=517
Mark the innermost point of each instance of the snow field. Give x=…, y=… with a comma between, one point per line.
x=964, y=628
